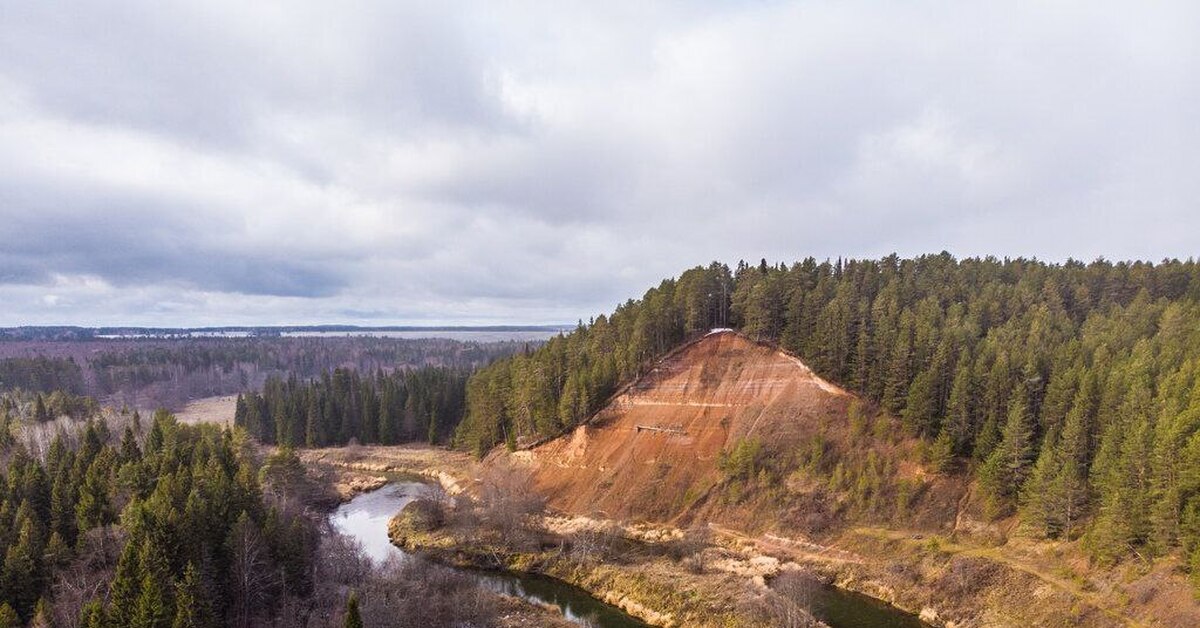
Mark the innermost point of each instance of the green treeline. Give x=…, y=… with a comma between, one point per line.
x=1072, y=390
x=423, y=404
x=196, y=545
x=40, y=408
x=41, y=374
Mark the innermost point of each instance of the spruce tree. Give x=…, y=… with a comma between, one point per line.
x=387, y=435
x=353, y=618
x=93, y=509
x=9, y=617
x=191, y=606
x=43, y=617
x=959, y=424
x=1008, y=466
x=126, y=586
x=92, y=615
x=154, y=605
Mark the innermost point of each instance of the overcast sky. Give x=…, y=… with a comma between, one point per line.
x=390, y=162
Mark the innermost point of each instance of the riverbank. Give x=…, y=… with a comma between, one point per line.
x=360, y=469
x=958, y=583
x=666, y=581
x=972, y=578
x=357, y=474
x=657, y=575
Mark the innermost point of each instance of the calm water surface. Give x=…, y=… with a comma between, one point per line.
x=366, y=518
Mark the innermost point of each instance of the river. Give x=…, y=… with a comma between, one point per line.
x=365, y=518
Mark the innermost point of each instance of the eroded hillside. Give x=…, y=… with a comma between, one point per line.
x=655, y=451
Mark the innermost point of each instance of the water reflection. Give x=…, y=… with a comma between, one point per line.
x=365, y=519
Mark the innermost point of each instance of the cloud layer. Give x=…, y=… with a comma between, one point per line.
x=385, y=162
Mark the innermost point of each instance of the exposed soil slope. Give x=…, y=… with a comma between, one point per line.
x=652, y=452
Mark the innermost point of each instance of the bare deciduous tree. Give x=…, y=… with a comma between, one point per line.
x=790, y=598
x=506, y=491
x=253, y=575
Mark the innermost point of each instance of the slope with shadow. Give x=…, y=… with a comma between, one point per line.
x=652, y=453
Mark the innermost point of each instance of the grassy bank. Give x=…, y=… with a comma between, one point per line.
x=673, y=582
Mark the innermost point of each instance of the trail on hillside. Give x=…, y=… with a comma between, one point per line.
x=1094, y=598
x=652, y=452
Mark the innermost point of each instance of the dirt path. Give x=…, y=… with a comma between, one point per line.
x=1096, y=599
x=795, y=549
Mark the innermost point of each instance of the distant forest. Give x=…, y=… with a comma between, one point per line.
x=1071, y=391
x=152, y=373
x=423, y=404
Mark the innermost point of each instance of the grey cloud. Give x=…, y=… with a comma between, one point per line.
x=538, y=163
x=126, y=239
x=215, y=73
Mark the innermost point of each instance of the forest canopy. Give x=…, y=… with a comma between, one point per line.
x=1071, y=391
x=422, y=404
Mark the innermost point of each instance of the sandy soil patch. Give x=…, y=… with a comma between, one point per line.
x=217, y=410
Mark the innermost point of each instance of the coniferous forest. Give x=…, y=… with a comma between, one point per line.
x=1070, y=391
x=422, y=404
x=198, y=543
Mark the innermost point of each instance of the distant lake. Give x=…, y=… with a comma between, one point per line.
x=464, y=336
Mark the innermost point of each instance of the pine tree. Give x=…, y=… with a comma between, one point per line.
x=1122, y=477
x=921, y=404
x=353, y=618
x=940, y=454
x=897, y=383
x=1058, y=494
x=959, y=424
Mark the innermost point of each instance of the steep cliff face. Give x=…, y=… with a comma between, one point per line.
x=653, y=452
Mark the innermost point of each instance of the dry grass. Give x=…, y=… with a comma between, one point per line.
x=361, y=468
x=217, y=410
